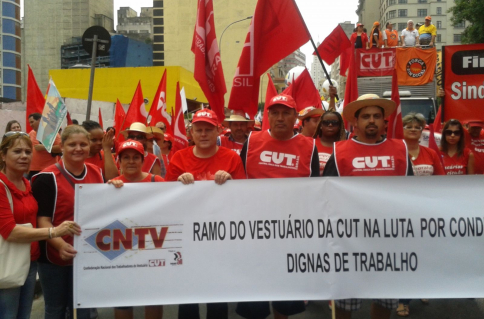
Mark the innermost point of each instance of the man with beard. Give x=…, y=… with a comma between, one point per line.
x=238, y=125
x=368, y=154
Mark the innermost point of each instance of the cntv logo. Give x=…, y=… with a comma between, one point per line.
x=116, y=238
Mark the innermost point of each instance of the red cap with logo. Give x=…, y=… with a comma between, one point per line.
x=283, y=99
x=132, y=145
x=205, y=115
x=168, y=137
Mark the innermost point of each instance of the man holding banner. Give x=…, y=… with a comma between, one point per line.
x=368, y=154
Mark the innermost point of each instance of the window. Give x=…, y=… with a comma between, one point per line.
x=387, y=15
x=460, y=25
x=422, y=1
x=394, y=26
x=392, y=2
x=402, y=26
x=402, y=12
x=457, y=38
x=421, y=12
x=392, y=14
x=439, y=38
x=439, y=10
x=402, y=1
x=439, y=25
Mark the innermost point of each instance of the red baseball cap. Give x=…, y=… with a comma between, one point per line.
x=283, y=99
x=205, y=115
x=478, y=123
x=132, y=145
x=168, y=138
x=360, y=25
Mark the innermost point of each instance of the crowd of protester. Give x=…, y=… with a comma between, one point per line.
x=41, y=184
x=413, y=35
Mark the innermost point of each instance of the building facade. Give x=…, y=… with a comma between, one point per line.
x=398, y=12
x=134, y=26
x=50, y=24
x=11, y=51
x=317, y=73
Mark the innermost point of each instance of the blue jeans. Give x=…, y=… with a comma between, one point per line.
x=56, y=284
x=16, y=303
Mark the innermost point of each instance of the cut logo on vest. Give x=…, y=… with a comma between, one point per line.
x=374, y=163
x=281, y=160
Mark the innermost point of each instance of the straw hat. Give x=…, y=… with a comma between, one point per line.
x=156, y=132
x=136, y=127
x=236, y=118
x=309, y=111
x=365, y=100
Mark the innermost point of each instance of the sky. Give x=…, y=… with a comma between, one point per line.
x=321, y=16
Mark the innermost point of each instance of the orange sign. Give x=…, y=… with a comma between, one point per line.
x=415, y=66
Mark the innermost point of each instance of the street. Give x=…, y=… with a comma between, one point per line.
x=438, y=309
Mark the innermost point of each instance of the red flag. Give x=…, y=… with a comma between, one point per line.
x=119, y=117
x=351, y=91
x=100, y=119
x=158, y=107
x=208, y=69
x=137, y=110
x=433, y=144
x=277, y=29
x=270, y=93
x=333, y=45
x=395, y=124
x=35, y=99
x=438, y=120
x=304, y=92
x=344, y=61
x=68, y=117
x=178, y=124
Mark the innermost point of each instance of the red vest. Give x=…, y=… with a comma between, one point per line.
x=64, y=205
x=388, y=158
x=271, y=158
x=149, y=162
x=229, y=143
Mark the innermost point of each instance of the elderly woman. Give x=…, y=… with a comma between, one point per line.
x=53, y=188
x=458, y=160
x=425, y=161
x=131, y=156
x=16, y=154
x=13, y=125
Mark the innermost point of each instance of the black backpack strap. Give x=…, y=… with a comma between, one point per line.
x=64, y=173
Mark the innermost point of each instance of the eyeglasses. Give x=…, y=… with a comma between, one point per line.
x=450, y=132
x=8, y=134
x=330, y=122
x=137, y=137
x=413, y=128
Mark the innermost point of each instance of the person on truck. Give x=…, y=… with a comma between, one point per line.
x=427, y=32
x=410, y=35
x=377, y=37
x=391, y=36
x=359, y=38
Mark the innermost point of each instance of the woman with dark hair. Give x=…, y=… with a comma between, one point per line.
x=100, y=150
x=359, y=39
x=458, y=160
x=53, y=188
x=16, y=210
x=13, y=125
x=330, y=129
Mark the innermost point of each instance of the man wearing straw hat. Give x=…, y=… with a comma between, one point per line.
x=138, y=131
x=238, y=125
x=368, y=154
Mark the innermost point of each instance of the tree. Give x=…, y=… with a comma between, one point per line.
x=471, y=11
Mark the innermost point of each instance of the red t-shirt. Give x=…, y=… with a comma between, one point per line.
x=476, y=145
x=98, y=160
x=228, y=142
x=427, y=163
x=147, y=179
x=324, y=154
x=24, y=211
x=456, y=165
x=202, y=169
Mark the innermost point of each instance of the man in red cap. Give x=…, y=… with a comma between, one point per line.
x=239, y=126
x=368, y=154
x=475, y=142
x=278, y=153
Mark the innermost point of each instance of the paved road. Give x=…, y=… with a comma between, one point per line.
x=438, y=309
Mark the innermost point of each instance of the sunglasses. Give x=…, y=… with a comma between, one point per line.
x=11, y=133
x=330, y=122
x=137, y=137
x=450, y=132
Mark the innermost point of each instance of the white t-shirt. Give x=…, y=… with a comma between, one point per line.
x=410, y=37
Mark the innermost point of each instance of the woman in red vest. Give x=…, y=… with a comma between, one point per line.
x=458, y=160
x=131, y=157
x=53, y=188
x=18, y=207
x=330, y=130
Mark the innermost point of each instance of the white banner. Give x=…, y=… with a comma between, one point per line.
x=279, y=239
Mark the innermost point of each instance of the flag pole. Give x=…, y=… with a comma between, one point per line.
x=322, y=64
